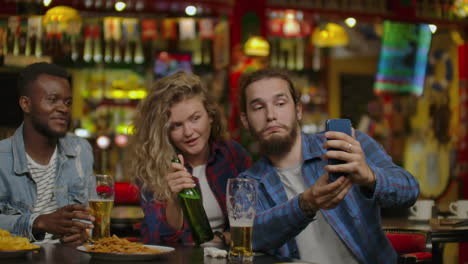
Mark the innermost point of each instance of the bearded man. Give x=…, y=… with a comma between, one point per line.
x=300, y=213
x=43, y=170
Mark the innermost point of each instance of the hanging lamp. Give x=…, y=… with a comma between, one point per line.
x=257, y=46
x=330, y=35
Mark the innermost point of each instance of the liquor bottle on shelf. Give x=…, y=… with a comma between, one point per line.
x=128, y=51
x=139, y=56
x=109, y=44
x=192, y=205
x=196, y=48
x=8, y=48
x=88, y=44
x=97, y=51
x=206, y=50
x=14, y=30
x=299, y=54
x=16, y=45
x=27, y=48
x=108, y=50
x=38, y=47
x=33, y=37
x=74, y=47
x=117, y=51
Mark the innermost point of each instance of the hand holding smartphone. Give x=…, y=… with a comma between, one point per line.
x=340, y=125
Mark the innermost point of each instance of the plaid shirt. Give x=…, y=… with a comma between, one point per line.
x=226, y=160
x=356, y=219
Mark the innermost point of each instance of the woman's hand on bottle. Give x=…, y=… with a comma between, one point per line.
x=179, y=178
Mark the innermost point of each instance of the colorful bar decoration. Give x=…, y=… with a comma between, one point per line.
x=403, y=58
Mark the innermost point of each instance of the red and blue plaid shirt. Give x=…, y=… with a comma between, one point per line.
x=356, y=219
x=226, y=160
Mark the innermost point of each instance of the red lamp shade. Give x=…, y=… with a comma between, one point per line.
x=126, y=193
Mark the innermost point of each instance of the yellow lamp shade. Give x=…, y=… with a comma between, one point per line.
x=256, y=46
x=330, y=35
x=61, y=15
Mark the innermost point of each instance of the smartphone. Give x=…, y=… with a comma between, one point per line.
x=340, y=125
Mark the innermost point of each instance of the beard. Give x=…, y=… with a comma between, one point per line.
x=45, y=129
x=276, y=145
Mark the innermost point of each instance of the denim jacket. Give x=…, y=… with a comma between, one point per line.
x=18, y=189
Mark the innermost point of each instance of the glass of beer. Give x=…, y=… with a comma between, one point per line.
x=241, y=201
x=101, y=200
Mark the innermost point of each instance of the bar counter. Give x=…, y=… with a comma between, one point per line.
x=60, y=254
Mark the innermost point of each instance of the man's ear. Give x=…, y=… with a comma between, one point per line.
x=25, y=104
x=243, y=118
x=299, y=111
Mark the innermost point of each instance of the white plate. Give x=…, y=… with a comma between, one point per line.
x=16, y=253
x=128, y=256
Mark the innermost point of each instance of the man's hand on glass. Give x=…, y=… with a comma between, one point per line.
x=65, y=221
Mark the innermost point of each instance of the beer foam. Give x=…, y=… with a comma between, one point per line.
x=240, y=222
x=100, y=200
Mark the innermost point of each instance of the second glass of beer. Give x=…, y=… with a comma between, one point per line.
x=101, y=201
x=241, y=202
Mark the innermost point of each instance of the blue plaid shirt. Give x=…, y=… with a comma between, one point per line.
x=356, y=219
x=226, y=160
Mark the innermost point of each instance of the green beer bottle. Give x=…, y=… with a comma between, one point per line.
x=194, y=213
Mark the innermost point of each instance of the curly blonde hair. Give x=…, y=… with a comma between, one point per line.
x=151, y=148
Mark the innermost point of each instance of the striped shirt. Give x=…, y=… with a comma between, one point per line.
x=44, y=177
x=226, y=160
x=356, y=219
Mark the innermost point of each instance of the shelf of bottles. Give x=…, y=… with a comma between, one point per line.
x=441, y=11
x=70, y=40
x=374, y=6
x=445, y=9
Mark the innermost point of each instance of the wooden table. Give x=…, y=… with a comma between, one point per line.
x=440, y=231
x=59, y=254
